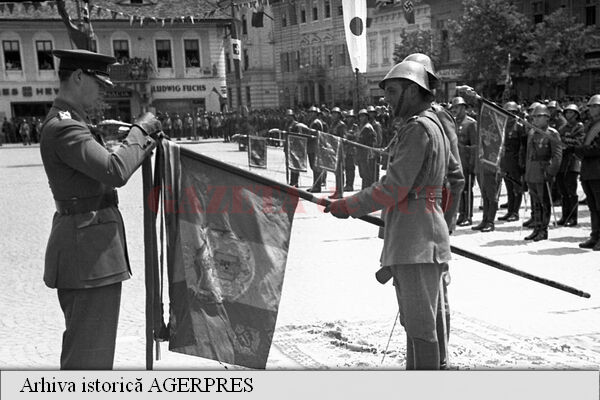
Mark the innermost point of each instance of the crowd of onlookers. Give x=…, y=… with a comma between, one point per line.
x=21, y=130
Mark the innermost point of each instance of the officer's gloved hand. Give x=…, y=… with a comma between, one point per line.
x=548, y=178
x=150, y=125
x=338, y=209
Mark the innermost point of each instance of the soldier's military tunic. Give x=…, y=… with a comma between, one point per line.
x=86, y=248
x=294, y=175
x=467, y=148
x=544, y=154
x=366, y=158
x=349, y=157
x=571, y=136
x=319, y=175
x=512, y=163
x=589, y=152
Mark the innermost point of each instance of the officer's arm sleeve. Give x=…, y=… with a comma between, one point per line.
x=81, y=151
x=393, y=187
x=556, y=148
x=576, y=138
x=456, y=181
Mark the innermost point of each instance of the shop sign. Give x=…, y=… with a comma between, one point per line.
x=28, y=91
x=449, y=73
x=177, y=88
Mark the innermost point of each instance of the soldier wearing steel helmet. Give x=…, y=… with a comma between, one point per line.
x=571, y=136
x=544, y=154
x=318, y=173
x=557, y=120
x=338, y=128
x=416, y=237
x=86, y=256
x=290, y=126
x=512, y=163
x=350, y=151
x=365, y=158
x=467, y=147
x=589, y=152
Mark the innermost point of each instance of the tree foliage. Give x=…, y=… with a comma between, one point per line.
x=418, y=41
x=486, y=33
x=557, y=49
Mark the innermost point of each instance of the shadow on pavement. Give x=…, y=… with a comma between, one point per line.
x=505, y=242
x=558, y=251
x=570, y=239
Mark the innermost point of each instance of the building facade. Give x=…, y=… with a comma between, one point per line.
x=166, y=63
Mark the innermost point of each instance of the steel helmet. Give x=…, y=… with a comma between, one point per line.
x=363, y=111
x=553, y=104
x=289, y=112
x=594, y=100
x=336, y=109
x=457, y=101
x=424, y=60
x=511, y=106
x=371, y=109
x=574, y=108
x=314, y=109
x=409, y=70
x=533, y=105
x=350, y=113
x=542, y=109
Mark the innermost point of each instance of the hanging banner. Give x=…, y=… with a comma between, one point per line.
x=257, y=152
x=409, y=11
x=296, y=149
x=492, y=124
x=355, y=26
x=236, y=49
x=328, y=151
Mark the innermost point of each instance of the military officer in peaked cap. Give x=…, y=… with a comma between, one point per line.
x=86, y=256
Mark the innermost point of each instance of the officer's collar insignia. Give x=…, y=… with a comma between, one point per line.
x=64, y=115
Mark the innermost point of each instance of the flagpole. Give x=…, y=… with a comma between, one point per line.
x=148, y=260
x=371, y=219
x=356, y=97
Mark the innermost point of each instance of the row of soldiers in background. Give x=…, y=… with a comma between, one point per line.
x=368, y=127
x=21, y=130
x=545, y=160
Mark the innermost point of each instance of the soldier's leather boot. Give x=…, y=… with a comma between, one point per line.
x=533, y=234
x=505, y=217
x=542, y=235
x=489, y=227
x=512, y=217
x=589, y=244
x=528, y=223
x=466, y=222
x=480, y=226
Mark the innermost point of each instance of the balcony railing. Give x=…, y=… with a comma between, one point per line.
x=135, y=69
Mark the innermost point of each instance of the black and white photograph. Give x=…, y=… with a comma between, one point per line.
x=451, y=221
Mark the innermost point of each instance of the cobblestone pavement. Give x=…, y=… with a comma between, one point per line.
x=499, y=320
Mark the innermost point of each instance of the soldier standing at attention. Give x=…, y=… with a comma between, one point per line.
x=589, y=152
x=544, y=155
x=416, y=237
x=364, y=157
x=86, y=255
x=318, y=173
x=350, y=151
x=571, y=135
x=467, y=147
x=338, y=128
x=290, y=126
x=512, y=163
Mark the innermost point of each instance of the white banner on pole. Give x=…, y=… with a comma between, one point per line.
x=355, y=26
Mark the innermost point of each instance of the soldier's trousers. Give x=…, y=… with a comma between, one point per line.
x=366, y=169
x=489, y=183
x=339, y=175
x=514, y=194
x=319, y=175
x=418, y=293
x=91, y=318
x=592, y=193
x=350, y=169
x=567, y=186
x=540, y=204
x=466, y=197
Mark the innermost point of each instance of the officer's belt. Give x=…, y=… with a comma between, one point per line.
x=425, y=193
x=87, y=204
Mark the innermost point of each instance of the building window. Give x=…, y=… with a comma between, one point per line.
x=385, y=50
x=340, y=10
x=163, y=54
x=192, y=53
x=283, y=20
x=316, y=55
x=121, y=50
x=304, y=56
x=590, y=15
x=315, y=12
x=341, y=55
x=12, y=55
x=373, y=51
x=246, y=60
x=94, y=46
x=244, y=25
x=285, y=62
x=329, y=57
x=293, y=17
x=44, y=54
x=327, y=9
x=538, y=11
x=248, y=97
x=227, y=63
x=302, y=14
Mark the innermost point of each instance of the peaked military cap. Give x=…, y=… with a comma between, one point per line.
x=93, y=64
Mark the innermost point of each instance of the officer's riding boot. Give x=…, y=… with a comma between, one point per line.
x=533, y=234
x=542, y=234
x=410, y=354
x=589, y=243
x=509, y=208
x=479, y=227
x=565, y=211
x=529, y=223
x=427, y=354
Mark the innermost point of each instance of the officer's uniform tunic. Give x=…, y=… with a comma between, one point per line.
x=571, y=136
x=467, y=147
x=512, y=164
x=339, y=130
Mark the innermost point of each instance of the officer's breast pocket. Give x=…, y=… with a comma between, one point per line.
x=100, y=245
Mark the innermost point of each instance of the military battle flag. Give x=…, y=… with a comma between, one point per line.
x=296, y=153
x=328, y=151
x=228, y=234
x=492, y=124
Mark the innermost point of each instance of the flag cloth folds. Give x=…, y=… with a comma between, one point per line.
x=257, y=152
x=228, y=233
x=491, y=126
x=296, y=153
x=328, y=151
x=409, y=11
x=355, y=26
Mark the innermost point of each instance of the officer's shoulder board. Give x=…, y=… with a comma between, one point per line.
x=62, y=115
x=469, y=119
